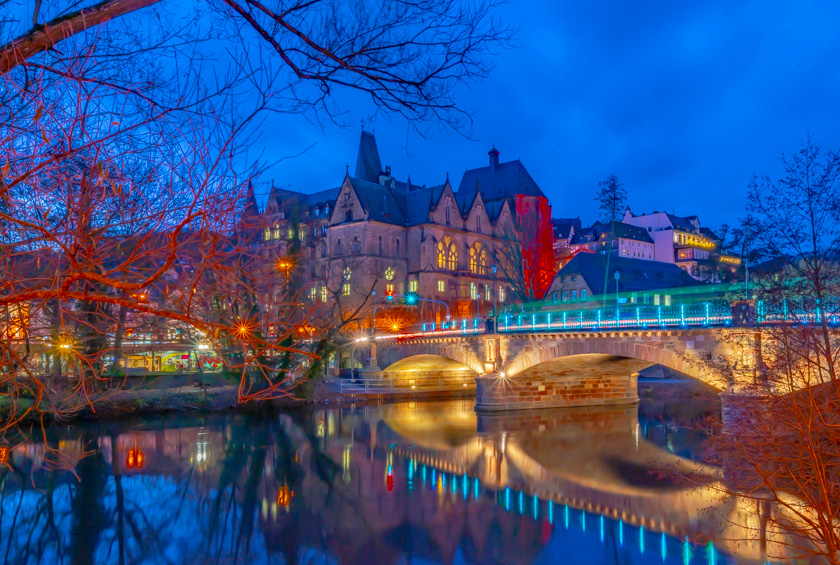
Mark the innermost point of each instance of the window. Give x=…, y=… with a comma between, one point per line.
x=441, y=286
x=324, y=229
x=412, y=286
x=448, y=216
x=398, y=248
x=656, y=300
x=346, y=289
x=447, y=254
x=301, y=234
x=313, y=294
x=473, y=292
x=348, y=215
x=583, y=294
x=357, y=245
x=667, y=300
x=291, y=233
x=574, y=296
x=314, y=231
x=327, y=210
x=348, y=272
x=478, y=259
x=277, y=231
x=488, y=293
x=323, y=294
x=339, y=249
x=389, y=273
x=565, y=296
x=389, y=289
x=554, y=297
x=267, y=234
x=380, y=245
x=501, y=293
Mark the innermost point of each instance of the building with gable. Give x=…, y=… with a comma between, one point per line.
x=376, y=233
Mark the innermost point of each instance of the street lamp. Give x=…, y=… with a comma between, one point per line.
x=284, y=266
x=617, y=276
x=493, y=268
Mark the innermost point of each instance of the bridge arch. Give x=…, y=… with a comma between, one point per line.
x=674, y=350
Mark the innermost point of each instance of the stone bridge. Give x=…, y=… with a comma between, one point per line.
x=536, y=370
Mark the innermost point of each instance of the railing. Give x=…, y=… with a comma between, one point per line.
x=405, y=385
x=635, y=317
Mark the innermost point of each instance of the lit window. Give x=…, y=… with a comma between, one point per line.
x=574, y=296
x=313, y=293
x=501, y=294
x=346, y=289
x=277, y=231
x=447, y=254
x=441, y=286
x=412, y=286
x=301, y=234
x=656, y=300
x=291, y=233
x=323, y=294
x=347, y=273
x=583, y=294
x=565, y=296
x=478, y=259
x=389, y=289
x=473, y=292
x=389, y=274
x=488, y=292
x=667, y=300
x=267, y=234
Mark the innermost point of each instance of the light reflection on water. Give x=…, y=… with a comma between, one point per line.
x=418, y=482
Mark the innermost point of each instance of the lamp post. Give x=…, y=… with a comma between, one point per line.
x=617, y=276
x=493, y=268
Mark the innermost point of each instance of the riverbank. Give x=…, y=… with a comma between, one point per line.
x=665, y=397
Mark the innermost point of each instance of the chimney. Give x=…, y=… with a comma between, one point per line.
x=494, y=158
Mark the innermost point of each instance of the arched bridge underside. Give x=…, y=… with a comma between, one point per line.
x=575, y=369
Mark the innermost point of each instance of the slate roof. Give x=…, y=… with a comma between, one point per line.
x=563, y=227
x=682, y=223
x=501, y=182
x=584, y=235
x=709, y=234
x=383, y=204
x=635, y=274
x=624, y=231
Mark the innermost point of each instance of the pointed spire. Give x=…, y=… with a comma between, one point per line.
x=368, y=164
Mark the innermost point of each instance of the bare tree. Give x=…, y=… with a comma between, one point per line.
x=781, y=448
x=611, y=198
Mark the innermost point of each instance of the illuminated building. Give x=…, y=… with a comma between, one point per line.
x=681, y=241
x=398, y=237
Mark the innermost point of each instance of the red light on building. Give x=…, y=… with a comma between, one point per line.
x=389, y=482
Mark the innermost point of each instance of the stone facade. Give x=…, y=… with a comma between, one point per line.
x=375, y=233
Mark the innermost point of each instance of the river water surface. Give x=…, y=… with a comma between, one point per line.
x=415, y=482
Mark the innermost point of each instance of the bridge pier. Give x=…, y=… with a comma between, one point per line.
x=496, y=391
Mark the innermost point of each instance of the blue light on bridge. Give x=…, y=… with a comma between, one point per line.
x=536, y=506
x=602, y=528
x=682, y=314
x=621, y=533
x=642, y=539
x=659, y=314
x=712, y=553
x=664, y=547
x=475, y=488
x=583, y=519
x=564, y=320
x=686, y=553
x=507, y=498
x=521, y=502
x=707, y=315
x=550, y=511
x=567, y=516
x=424, y=475
x=465, y=486
x=434, y=478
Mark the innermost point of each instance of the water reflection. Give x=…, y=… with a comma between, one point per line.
x=412, y=482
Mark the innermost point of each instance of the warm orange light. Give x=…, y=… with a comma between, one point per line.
x=134, y=459
x=284, y=496
x=4, y=454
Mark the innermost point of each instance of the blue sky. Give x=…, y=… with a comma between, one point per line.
x=684, y=101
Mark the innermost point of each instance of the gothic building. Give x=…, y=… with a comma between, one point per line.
x=376, y=233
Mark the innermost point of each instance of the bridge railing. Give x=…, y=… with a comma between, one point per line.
x=635, y=317
x=406, y=385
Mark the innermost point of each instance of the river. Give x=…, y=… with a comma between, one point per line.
x=412, y=482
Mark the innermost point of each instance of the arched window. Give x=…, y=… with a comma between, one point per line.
x=339, y=249
x=447, y=254
x=348, y=272
x=380, y=245
x=478, y=259
x=389, y=273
